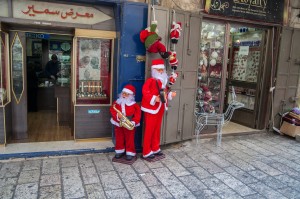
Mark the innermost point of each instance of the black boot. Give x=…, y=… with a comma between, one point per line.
x=129, y=157
x=119, y=155
x=159, y=153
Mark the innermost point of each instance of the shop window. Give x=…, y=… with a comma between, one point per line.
x=210, y=67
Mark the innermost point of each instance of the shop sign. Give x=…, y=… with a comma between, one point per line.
x=93, y=111
x=37, y=35
x=244, y=50
x=44, y=11
x=3, y=8
x=270, y=11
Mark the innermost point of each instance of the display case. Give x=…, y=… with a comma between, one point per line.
x=210, y=67
x=245, y=51
x=4, y=84
x=93, y=71
x=17, y=68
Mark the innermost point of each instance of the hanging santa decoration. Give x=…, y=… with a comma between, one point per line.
x=175, y=32
x=172, y=78
x=173, y=60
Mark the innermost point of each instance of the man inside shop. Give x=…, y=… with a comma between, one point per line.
x=52, y=68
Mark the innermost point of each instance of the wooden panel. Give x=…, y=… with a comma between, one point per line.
x=188, y=118
x=92, y=125
x=64, y=105
x=239, y=116
x=2, y=131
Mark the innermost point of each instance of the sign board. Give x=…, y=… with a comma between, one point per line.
x=269, y=11
x=244, y=50
x=3, y=8
x=44, y=11
x=93, y=111
x=37, y=35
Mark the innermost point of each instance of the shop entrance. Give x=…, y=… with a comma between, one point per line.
x=41, y=101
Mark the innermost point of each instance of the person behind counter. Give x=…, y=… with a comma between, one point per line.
x=52, y=67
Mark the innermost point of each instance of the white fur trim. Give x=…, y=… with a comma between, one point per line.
x=152, y=102
x=114, y=122
x=120, y=151
x=123, y=109
x=126, y=90
x=170, y=96
x=137, y=125
x=166, y=107
x=158, y=66
x=153, y=22
x=154, y=152
x=150, y=110
x=130, y=153
x=148, y=154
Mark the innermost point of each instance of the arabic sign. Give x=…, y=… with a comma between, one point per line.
x=3, y=8
x=244, y=50
x=269, y=11
x=37, y=35
x=45, y=11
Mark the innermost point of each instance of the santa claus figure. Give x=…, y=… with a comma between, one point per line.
x=154, y=103
x=175, y=32
x=173, y=60
x=125, y=106
x=152, y=41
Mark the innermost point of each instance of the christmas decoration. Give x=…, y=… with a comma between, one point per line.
x=172, y=78
x=173, y=60
x=152, y=40
x=175, y=32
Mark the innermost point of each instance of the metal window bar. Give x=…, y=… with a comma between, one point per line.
x=217, y=119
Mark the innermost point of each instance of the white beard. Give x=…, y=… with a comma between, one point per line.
x=127, y=100
x=162, y=77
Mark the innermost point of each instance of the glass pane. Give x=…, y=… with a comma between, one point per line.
x=244, y=95
x=93, y=71
x=17, y=68
x=246, y=56
x=3, y=68
x=210, y=66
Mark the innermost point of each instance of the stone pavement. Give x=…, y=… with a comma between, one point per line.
x=252, y=166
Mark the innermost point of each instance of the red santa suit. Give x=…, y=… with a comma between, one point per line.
x=153, y=111
x=125, y=137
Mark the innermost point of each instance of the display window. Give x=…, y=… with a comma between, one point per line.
x=4, y=94
x=210, y=67
x=93, y=71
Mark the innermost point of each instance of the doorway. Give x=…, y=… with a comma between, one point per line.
x=47, y=70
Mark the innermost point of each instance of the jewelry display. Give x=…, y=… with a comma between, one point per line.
x=90, y=89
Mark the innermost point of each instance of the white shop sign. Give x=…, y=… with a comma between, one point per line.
x=3, y=8
x=244, y=50
x=44, y=11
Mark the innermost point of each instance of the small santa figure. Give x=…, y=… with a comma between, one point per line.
x=175, y=32
x=152, y=41
x=173, y=60
x=127, y=107
x=172, y=78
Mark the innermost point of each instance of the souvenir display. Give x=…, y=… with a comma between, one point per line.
x=93, y=85
x=210, y=67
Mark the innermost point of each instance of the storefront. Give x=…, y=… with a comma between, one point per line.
x=72, y=103
x=239, y=44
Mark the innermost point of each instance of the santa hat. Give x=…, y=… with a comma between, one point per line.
x=176, y=25
x=158, y=64
x=129, y=89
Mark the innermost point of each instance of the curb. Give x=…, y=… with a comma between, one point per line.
x=213, y=135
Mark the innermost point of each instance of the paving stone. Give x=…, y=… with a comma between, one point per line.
x=220, y=188
x=72, y=183
x=255, y=196
x=29, y=176
x=192, y=183
x=286, y=170
x=53, y=179
x=291, y=182
x=94, y=191
x=287, y=162
x=117, y=193
x=149, y=179
x=32, y=165
x=26, y=191
x=165, y=176
x=128, y=175
x=199, y=172
x=273, y=182
x=235, y=184
x=102, y=163
x=6, y=192
x=86, y=161
x=289, y=192
x=178, y=190
x=266, y=191
x=11, y=169
x=8, y=181
x=218, y=160
x=50, y=166
x=266, y=169
x=89, y=175
x=185, y=160
x=160, y=192
x=140, y=166
x=241, y=175
x=175, y=167
x=153, y=165
x=69, y=162
x=255, y=147
x=206, y=194
x=258, y=174
x=50, y=192
x=209, y=166
x=138, y=190
x=110, y=180
x=240, y=163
